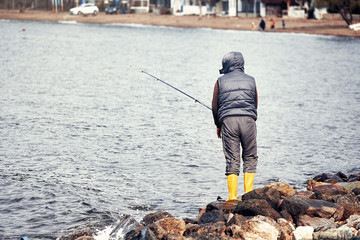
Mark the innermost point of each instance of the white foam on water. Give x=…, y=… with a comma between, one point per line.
x=107, y=234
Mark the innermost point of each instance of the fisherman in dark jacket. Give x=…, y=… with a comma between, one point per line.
x=234, y=107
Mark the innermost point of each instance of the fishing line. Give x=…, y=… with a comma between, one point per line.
x=196, y=100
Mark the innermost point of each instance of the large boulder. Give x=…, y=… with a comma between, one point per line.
x=319, y=224
x=326, y=189
x=285, y=189
x=153, y=217
x=212, y=217
x=353, y=221
x=271, y=195
x=254, y=228
x=215, y=228
x=297, y=206
x=342, y=233
x=254, y=207
x=168, y=226
x=303, y=233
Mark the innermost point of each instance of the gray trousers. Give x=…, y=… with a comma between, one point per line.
x=239, y=131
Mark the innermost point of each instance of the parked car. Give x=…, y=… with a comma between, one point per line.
x=113, y=8
x=85, y=8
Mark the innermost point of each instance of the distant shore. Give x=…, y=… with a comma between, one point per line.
x=335, y=27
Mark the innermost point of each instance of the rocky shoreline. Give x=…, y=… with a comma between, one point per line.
x=329, y=209
x=334, y=26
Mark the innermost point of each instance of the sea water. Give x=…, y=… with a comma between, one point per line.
x=86, y=137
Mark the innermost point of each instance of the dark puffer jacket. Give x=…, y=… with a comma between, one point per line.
x=237, y=90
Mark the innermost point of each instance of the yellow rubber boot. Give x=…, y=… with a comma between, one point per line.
x=232, y=181
x=248, y=181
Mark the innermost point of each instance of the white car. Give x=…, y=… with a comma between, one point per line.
x=86, y=9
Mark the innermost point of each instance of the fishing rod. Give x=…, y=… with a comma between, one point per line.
x=196, y=101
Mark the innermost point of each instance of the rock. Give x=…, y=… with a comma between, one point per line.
x=326, y=188
x=306, y=194
x=140, y=233
x=303, y=233
x=285, y=228
x=342, y=176
x=349, y=210
x=285, y=189
x=189, y=220
x=209, y=236
x=354, y=177
x=153, y=217
x=284, y=214
x=356, y=191
x=297, y=206
x=168, y=226
x=326, y=177
x=212, y=217
x=272, y=196
x=236, y=219
x=353, y=221
x=85, y=238
x=215, y=228
x=253, y=207
x=319, y=224
x=342, y=233
x=173, y=237
x=190, y=228
x=254, y=229
x=349, y=186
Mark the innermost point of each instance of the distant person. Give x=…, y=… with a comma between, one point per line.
x=234, y=107
x=272, y=23
x=262, y=25
x=283, y=24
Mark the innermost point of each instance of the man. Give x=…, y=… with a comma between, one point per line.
x=234, y=107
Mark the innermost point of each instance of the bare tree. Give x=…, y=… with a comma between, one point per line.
x=344, y=7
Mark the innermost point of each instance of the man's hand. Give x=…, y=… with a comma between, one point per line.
x=218, y=132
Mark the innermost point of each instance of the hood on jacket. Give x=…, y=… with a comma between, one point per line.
x=232, y=61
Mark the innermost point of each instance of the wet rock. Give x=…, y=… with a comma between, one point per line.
x=215, y=228
x=297, y=206
x=326, y=188
x=342, y=233
x=327, y=177
x=140, y=233
x=342, y=175
x=272, y=196
x=356, y=191
x=253, y=207
x=254, y=229
x=319, y=224
x=354, y=177
x=303, y=233
x=212, y=217
x=168, y=226
x=153, y=217
x=285, y=189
